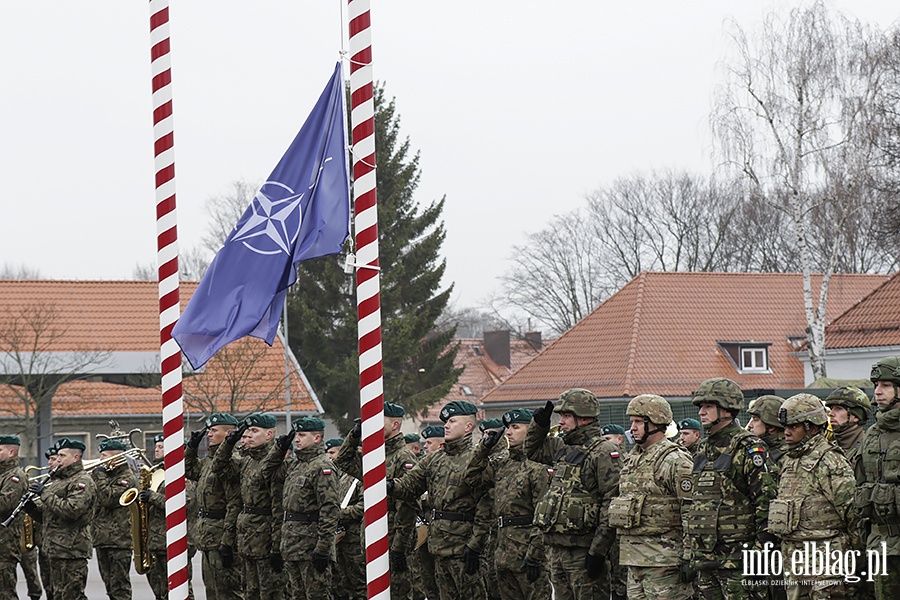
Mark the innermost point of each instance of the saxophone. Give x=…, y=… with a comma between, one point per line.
x=26, y=540
x=140, y=518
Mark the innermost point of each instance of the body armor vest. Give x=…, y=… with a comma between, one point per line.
x=643, y=506
x=568, y=507
x=878, y=498
x=796, y=515
x=720, y=510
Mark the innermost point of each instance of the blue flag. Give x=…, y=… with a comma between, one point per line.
x=302, y=211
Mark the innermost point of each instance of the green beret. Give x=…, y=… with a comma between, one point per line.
x=333, y=443
x=411, y=438
x=456, y=408
x=111, y=445
x=307, y=424
x=689, y=424
x=10, y=440
x=261, y=420
x=517, y=415
x=433, y=431
x=612, y=428
x=66, y=443
x=51, y=451
x=393, y=410
x=490, y=424
x=220, y=419
x=159, y=437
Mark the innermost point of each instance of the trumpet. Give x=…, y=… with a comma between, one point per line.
x=113, y=461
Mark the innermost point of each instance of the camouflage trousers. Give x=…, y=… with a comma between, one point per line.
x=8, y=580
x=350, y=566
x=115, y=571
x=618, y=573
x=158, y=579
x=513, y=585
x=221, y=583
x=306, y=582
x=454, y=583
x=44, y=564
x=723, y=584
x=652, y=583
x=69, y=578
x=29, y=564
x=421, y=563
x=888, y=587
x=261, y=582
x=569, y=579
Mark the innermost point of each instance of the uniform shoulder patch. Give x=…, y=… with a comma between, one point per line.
x=80, y=486
x=686, y=484
x=408, y=466
x=15, y=479
x=614, y=454
x=550, y=470
x=326, y=471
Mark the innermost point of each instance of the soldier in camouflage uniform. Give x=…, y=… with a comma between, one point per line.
x=398, y=460
x=66, y=505
x=574, y=513
x=650, y=510
x=815, y=496
x=460, y=516
x=414, y=443
x=258, y=536
x=43, y=560
x=218, y=502
x=764, y=424
x=421, y=562
x=618, y=573
x=13, y=485
x=689, y=434
x=732, y=487
x=349, y=546
x=311, y=507
x=614, y=434
x=332, y=447
x=849, y=410
x=111, y=527
x=499, y=453
x=878, y=475
x=517, y=484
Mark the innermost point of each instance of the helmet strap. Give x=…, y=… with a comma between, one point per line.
x=647, y=432
x=719, y=418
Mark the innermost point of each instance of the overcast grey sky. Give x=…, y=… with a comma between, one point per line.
x=519, y=109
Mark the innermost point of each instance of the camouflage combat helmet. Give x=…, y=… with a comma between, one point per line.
x=886, y=369
x=765, y=408
x=853, y=399
x=579, y=402
x=721, y=391
x=653, y=407
x=802, y=408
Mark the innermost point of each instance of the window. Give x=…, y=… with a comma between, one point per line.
x=754, y=359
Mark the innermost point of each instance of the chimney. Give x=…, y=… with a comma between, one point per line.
x=534, y=339
x=496, y=344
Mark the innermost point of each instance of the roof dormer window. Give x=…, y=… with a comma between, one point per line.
x=747, y=357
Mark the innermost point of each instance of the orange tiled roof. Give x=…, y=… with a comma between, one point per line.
x=123, y=316
x=481, y=373
x=874, y=321
x=659, y=334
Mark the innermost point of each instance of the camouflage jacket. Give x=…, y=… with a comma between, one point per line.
x=652, y=507
x=878, y=481
x=693, y=448
x=259, y=522
x=442, y=475
x=156, y=542
x=581, y=454
x=13, y=485
x=111, y=527
x=516, y=484
x=311, y=494
x=67, y=506
x=398, y=460
x=732, y=488
x=815, y=495
x=351, y=515
x=218, y=501
x=777, y=447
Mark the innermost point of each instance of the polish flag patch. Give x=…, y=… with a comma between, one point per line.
x=326, y=471
x=408, y=466
x=15, y=479
x=614, y=454
x=80, y=486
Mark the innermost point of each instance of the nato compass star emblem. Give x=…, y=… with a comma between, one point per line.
x=274, y=222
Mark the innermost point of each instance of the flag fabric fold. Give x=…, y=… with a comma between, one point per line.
x=301, y=212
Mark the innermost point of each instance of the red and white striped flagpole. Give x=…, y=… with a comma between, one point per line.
x=169, y=308
x=371, y=388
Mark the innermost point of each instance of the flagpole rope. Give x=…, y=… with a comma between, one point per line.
x=371, y=392
x=169, y=306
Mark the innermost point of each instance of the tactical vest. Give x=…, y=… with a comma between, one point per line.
x=797, y=515
x=721, y=512
x=567, y=507
x=878, y=498
x=643, y=507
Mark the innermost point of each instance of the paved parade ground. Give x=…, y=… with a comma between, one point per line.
x=140, y=587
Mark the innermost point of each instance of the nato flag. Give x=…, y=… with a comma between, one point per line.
x=302, y=211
